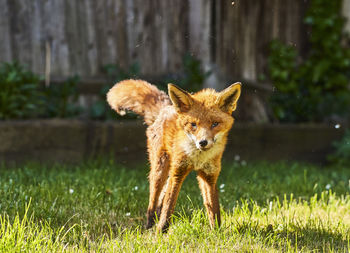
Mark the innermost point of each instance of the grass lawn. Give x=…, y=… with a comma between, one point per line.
x=100, y=206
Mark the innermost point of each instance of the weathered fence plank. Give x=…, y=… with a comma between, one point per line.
x=5, y=43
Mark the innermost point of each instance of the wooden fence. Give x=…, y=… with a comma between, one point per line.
x=84, y=35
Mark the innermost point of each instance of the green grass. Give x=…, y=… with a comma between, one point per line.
x=100, y=206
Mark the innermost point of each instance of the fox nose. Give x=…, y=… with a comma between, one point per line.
x=203, y=143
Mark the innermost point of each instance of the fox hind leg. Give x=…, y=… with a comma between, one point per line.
x=161, y=198
x=157, y=178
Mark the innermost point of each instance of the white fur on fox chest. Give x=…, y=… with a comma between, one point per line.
x=202, y=159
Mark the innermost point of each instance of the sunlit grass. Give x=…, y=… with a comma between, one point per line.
x=100, y=206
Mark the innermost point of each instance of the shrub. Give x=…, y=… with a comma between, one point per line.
x=191, y=77
x=317, y=88
x=193, y=74
x=341, y=156
x=20, y=96
x=60, y=99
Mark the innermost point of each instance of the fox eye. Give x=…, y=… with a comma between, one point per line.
x=194, y=125
x=214, y=124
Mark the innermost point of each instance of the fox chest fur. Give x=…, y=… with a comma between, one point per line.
x=168, y=132
x=200, y=160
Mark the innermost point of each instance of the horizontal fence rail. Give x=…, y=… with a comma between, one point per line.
x=73, y=141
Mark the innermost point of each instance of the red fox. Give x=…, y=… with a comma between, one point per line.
x=185, y=132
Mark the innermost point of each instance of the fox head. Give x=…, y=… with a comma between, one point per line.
x=205, y=116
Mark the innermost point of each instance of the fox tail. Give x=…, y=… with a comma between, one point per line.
x=138, y=96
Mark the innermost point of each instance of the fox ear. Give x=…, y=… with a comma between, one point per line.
x=182, y=101
x=227, y=100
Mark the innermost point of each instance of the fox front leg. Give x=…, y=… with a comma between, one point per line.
x=172, y=192
x=207, y=185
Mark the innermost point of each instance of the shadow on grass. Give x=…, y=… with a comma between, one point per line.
x=303, y=238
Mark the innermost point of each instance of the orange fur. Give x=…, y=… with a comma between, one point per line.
x=188, y=135
x=138, y=96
